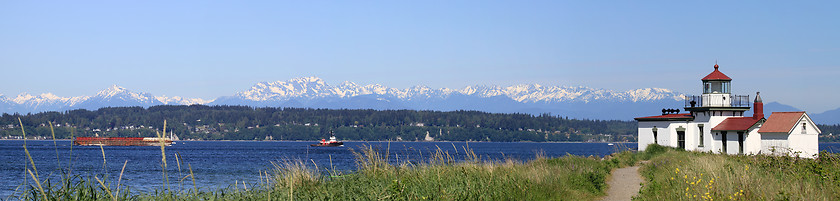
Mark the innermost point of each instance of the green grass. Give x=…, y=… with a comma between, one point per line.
x=672, y=174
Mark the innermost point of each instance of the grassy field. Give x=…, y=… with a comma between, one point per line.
x=672, y=174
x=440, y=178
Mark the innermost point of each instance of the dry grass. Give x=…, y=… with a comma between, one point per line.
x=681, y=175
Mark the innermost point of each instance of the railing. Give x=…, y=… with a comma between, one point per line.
x=717, y=101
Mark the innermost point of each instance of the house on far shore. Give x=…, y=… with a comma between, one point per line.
x=715, y=122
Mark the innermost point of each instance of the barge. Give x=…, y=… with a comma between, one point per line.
x=122, y=141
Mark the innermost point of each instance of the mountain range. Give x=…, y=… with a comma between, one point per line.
x=312, y=92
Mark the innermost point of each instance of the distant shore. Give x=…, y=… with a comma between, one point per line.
x=342, y=140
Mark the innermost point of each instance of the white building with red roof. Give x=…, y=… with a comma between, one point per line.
x=715, y=122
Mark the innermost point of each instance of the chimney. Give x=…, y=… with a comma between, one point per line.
x=758, y=107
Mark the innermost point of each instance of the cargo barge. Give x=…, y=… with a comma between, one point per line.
x=122, y=141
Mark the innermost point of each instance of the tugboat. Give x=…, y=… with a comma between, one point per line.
x=332, y=143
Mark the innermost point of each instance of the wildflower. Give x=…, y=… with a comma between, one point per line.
x=672, y=178
x=686, y=188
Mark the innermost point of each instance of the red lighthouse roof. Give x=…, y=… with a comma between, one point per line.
x=716, y=75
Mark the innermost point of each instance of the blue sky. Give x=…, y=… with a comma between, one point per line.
x=787, y=50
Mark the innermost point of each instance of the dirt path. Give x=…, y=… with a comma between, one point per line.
x=623, y=184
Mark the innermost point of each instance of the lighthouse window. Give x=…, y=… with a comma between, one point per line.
x=716, y=87
x=803, y=129
x=707, y=88
x=725, y=88
x=700, y=126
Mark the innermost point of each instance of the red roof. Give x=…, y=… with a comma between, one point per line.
x=736, y=124
x=716, y=75
x=667, y=117
x=781, y=122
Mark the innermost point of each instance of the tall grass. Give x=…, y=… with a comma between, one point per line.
x=680, y=175
x=441, y=176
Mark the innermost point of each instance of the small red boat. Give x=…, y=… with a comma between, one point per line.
x=331, y=143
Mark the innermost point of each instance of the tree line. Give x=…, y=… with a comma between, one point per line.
x=248, y=123
x=830, y=133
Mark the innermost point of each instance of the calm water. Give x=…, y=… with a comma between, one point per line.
x=220, y=164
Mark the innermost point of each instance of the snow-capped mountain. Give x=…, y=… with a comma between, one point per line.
x=117, y=96
x=46, y=101
x=177, y=100
x=309, y=88
x=114, y=96
x=579, y=102
x=313, y=92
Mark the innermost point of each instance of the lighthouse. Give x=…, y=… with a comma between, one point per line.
x=714, y=121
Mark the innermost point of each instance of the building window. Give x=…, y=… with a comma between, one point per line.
x=700, y=126
x=803, y=129
x=741, y=142
x=681, y=139
x=723, y=141
x=654, y=134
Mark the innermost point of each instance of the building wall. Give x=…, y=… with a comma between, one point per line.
x=708, y=141
x=806, y=144
x=774, y=143
x=752, y=142
x=668, y=136
x=667, y=133
x=646, y=133
x=713, y=140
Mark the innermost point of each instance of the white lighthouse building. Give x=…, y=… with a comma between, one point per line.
x=715, y=122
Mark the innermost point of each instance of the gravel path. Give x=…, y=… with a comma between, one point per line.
x=623, y=184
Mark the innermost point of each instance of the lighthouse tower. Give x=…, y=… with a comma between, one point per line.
x=718, y=115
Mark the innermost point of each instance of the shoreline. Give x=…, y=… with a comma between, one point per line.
x=342, y=141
